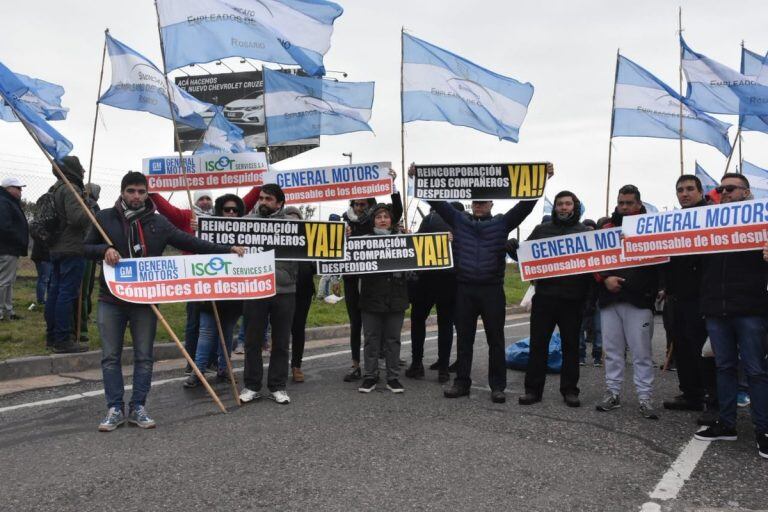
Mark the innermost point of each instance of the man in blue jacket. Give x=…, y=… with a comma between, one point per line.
x=479, y=240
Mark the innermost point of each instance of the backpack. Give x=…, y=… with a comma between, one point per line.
x=46, y=225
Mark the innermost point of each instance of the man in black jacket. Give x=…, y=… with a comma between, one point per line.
x=734, y=302
x=135, y=230
x=14, y=239
x=558, y=301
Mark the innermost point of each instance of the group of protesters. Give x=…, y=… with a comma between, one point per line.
x=721, y=297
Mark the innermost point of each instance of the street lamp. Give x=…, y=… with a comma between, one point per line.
x=348, y=155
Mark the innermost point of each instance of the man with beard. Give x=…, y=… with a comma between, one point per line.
x=136, y=231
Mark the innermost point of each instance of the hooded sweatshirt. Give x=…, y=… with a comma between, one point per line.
x=74, y=221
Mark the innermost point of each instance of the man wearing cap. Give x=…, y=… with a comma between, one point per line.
x=14, y=240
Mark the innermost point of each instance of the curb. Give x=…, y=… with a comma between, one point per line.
x=55, y=364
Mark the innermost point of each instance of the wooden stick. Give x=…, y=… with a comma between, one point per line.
x=96, y=115
x=223, y=346
x=669, y=355
x=730, y=155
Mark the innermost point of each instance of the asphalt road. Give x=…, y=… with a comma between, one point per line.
x=333, y=448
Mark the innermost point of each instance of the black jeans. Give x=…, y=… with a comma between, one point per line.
x=352, y=301
x=192, y=328
x=298, y=334
x=278, y=311
x=487, y=302
x=433, y=290
x=546, y=313
x=690, y=334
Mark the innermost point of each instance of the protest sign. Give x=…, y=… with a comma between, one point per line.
x=480, y=182
x=206, y=171
x=740, y=226
x=578, y=253
x=291, y=239
x=195, y=277
x=335, y=183
x=392, y=253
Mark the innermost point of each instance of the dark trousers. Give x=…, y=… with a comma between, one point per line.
x=63, y=291
x=487, y=302
x=546, y=313
x=192, y=328
x=298, y=334
x=352, y=300
x=690, y=334
x=278, y=311
x=439, y=291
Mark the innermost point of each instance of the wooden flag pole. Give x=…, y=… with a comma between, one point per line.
x=402, y=132
x=225, y=351
x=741, y=118
x=610, y=138
x=730, y=155
x=680, y=83
x=96, y=115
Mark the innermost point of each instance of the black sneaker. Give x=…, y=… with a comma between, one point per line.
x=435, y=365
x=69, y=348
x=717, y=432
x=415, y=371
x=572, y=400
x=762, y=445
x=395, y=386
x=498, y=397
x=191, y=382
x=456, y=391
x=454, y=367
x=683, y=403
x=353, y=374
x=529, y=399
x=188, y=369
x=367, y=386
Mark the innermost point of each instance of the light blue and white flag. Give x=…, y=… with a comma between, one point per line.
x=13, y=92
x=649, y=208
x=708, y=183
x=137, y=84
x=548, y=206
x=294, y=32
x=646, y=107
x=43, y=97
x=758, y=179
x=298, y=107
x=752, y=64
x=441, y=86
x=718, y=89
x=222, y=136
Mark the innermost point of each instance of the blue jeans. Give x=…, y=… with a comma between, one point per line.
x=208, y=340
x=743, y=336
x=597, y=341
x=63, y=292
x=43, y=279
x=112, y=320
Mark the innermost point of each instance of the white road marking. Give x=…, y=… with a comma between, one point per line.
x=678, y=473
x=100, y=392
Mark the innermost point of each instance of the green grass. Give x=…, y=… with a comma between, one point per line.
x=27, y=337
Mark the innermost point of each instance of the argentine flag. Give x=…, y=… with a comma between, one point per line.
x=42, y=97
x=293, y=32
x=718, y=89
x=12, y=92
x=441, y=86
x=758, y=179
x=708, y=183
x=299, y=107
x=138, y=85
x=752, y=64
x=646, y=107
x=222, y=136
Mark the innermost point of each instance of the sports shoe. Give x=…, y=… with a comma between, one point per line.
x=353, y=374
x=188, y=369
x=762, y=445
x=112, y=420
x=609, y=403
x=598, y=363
x=191, y=382
x=69, y=348
x=297, y=375
x=498, y=397
x=683, y=403
x=139, y=417
x=394, y=386
x=249, y=395
x=415, y=371
x=456, y=391
x=280, y=396
x=367, y=386
x=647, y=411
x=742, y=399
x=716, y=432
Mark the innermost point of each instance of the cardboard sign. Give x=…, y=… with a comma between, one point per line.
x=740, y=226
x=578, y=253
x=392, y=253
x=195, y=277
x=291, y=239
x=206, y=171
x=335, y=183
x=480, y=182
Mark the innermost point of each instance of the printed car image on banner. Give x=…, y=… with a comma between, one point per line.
x=480, y=181
x=205, y=171
x=241, y=95
x=740, y=226
x=577, y=253
x=291, y=240
x=392, y=253
x=194, y=277
x=335, y=183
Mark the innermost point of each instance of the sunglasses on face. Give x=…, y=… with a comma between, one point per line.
x=729, y=188
x=229, y=209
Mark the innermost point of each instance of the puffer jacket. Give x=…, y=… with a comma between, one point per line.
x=478, y=242
x=286, y=272
x=734, y=284
x=384, y=292
x=74, y=219
x=14, y=229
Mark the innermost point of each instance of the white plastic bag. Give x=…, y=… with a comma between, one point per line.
x=528, y=298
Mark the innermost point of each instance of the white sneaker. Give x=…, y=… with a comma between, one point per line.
x=281, y=397
x=248, y=395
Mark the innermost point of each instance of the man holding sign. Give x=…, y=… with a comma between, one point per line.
x=137, y=231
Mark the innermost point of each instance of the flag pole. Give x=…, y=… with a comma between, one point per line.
x=610, y=138
x=264, y=99
x=741, y=158
x=183, y=166
x=680, y=83
x=402, y=132
x=730, y=155
x=98, y=96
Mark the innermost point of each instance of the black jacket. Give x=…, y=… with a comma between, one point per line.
x=573, y=287
x=384, y=292
x=158, y=233
x=362, y=225
x=734, y=283
x=682, y=275
x=14, y=230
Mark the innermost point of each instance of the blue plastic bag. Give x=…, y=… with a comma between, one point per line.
x=517, y=354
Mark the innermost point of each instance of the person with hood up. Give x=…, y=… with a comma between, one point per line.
x=383, y=301
x=558, y=301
